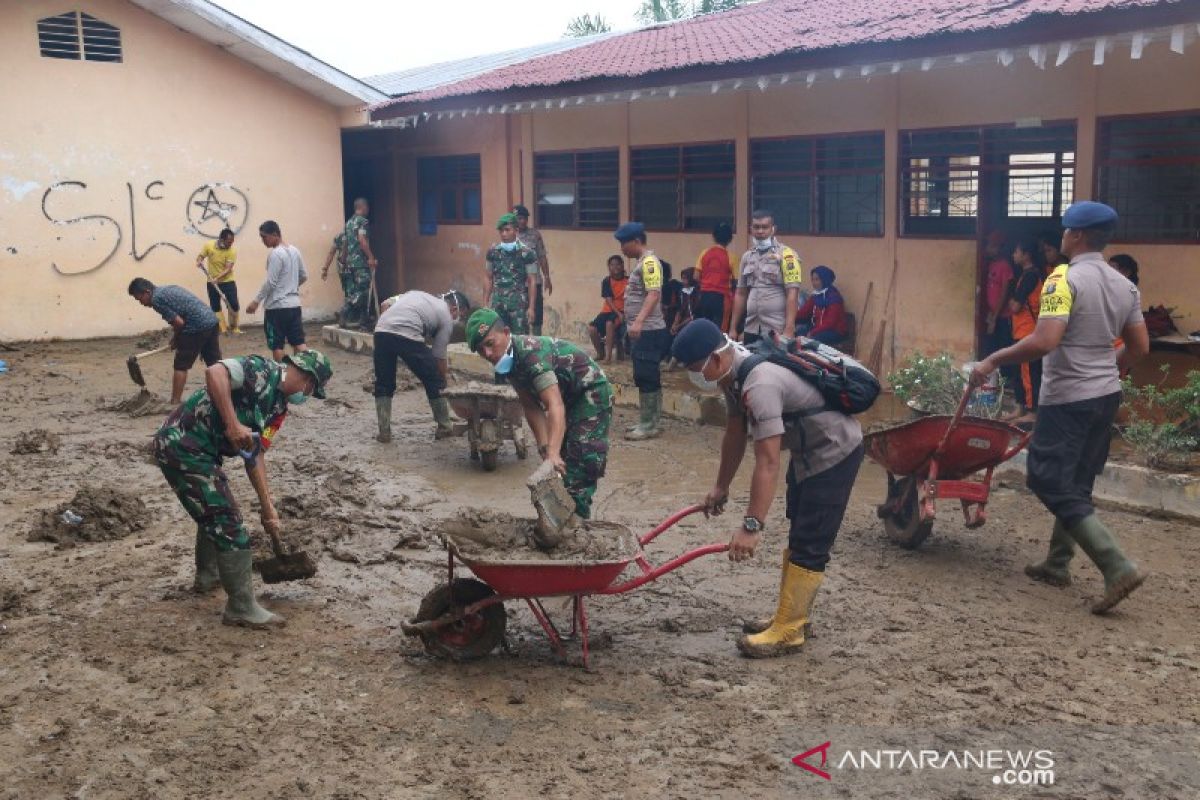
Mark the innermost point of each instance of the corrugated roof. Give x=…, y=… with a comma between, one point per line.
x=772, y=28
x=420, y=79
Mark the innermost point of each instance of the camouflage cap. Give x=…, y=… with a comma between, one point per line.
x=480, y=325
x=315, y=363
x=506, y=219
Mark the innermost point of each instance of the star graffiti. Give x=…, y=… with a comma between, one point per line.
x=212, y=206
x=217, y=205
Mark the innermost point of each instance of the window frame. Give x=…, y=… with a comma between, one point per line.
x=458, y=186
x=814, y=208
x=1099, y=162
x=93, y=38
x=577, y=180
x=681, y=177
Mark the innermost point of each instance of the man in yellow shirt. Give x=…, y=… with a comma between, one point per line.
x=221, y=256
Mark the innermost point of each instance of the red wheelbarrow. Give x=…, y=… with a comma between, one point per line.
x=464, y=619
x=938, y=457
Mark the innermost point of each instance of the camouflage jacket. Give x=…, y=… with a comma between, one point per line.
x=355, y=257
x=196, y=427
x=509, y=269
x=541, y=361
x=532, y=238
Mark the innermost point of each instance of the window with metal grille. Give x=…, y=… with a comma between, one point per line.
x=820, y=185
x=448, y=190
x=939, y=179
x=683, y=188
x=77, y=36
x=1148, y=169
x=577, y=189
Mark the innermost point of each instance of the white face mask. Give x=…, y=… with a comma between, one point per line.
x=704, y=384
x=508, y=246
x=764, y=244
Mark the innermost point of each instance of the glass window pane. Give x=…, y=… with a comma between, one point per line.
x=789, y=199
x=656, y=203
x=598, y=204
x=707, y=202
x=472, y=210
x=556, y=204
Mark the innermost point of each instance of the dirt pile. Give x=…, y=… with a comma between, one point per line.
x=405, y=380
x=143, y=404
x=496, y=536
x=36, y=441
x=94, y=514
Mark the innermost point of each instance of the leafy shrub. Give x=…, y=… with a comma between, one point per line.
x=935, y=385
x=1164, y=424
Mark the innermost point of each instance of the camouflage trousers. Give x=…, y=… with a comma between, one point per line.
x=514, y=310
x=203, y=489
x=356, y=286
x=585, y=445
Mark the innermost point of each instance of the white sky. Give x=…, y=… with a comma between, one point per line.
x=368, y=37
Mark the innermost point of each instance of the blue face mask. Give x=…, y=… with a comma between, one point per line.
x=296, y=398
x=505, y=364
x=509, y=246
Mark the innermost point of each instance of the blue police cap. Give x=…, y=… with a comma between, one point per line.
x=629, y=231
x=1088, y=214
x=696, y=341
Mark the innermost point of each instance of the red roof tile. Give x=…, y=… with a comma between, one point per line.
x=772, y=28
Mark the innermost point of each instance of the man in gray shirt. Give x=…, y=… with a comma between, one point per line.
x=1086, y=305
x=194, y=325
x=778, y=409
x=408, y=321
x=280, y=292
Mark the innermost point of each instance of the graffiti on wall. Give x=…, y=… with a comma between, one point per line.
x=210, y=208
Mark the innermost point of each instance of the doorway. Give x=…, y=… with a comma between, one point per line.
x=367, y=171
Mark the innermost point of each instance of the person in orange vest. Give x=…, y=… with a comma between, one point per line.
x=1023, y=301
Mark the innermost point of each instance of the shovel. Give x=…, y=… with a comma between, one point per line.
x=135, y=366
x=555, y=507
x=285, y=566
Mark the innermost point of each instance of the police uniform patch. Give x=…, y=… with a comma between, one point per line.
x=1056, y=294
x=792, y=271
x=652, y=277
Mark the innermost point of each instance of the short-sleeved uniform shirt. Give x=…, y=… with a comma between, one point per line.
x=175, y=301
x=355, y=257
x=532, y=238
x=1096, y=302
x=421, y=317
x=768, y=274
x=218, y=260
x=196, y=427
x=647, y=276
x=771, y=392
x=511, y=268
x=613, y=291
x=1027, y=292
x=540, y=362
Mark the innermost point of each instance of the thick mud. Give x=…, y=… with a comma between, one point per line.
x=94, y=514
x=494, y=536
x=144, y=403
x=36, y=442
x=117, y=682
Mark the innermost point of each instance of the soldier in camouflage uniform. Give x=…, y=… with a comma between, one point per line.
x=245, y=399
x=567, y=399
x=356, y=266
x=532, y=238
x=510, y=283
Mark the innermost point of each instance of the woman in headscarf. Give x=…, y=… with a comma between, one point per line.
x=823, y=315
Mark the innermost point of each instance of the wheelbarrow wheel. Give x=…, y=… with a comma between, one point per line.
x=473, y=636
x=904, y=526
x=489, y=459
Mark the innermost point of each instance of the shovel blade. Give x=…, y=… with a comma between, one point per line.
x=135, y=370
x=290, y=567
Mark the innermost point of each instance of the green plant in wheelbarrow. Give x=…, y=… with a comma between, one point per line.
x=1163, y=424
x=935, y=385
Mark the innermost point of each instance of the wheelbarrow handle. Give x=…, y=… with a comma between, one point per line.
x=1017, y=447
x=668, y=522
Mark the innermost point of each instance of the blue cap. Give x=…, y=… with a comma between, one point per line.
x=698, y=340
x=629, y=231
x=1088, y=214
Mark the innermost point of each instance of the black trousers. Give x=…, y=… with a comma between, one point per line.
x=711, y=307
x=229, y=289
x=1069, y=449
x=647, y=352
x=539, y=310
x=416, y=356
x=815, y=508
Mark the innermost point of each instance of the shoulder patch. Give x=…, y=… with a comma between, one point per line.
x=1056, y=294
x=652, y=277
x=793, y=271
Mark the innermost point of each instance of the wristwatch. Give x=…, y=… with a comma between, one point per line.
x=751, y=525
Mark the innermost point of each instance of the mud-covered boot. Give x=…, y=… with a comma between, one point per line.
x=207, y=576
x=221, y=326
x=233, y=324
x=445, y=418
x=1054, y=570
x=241, y=608
x=651, y=407
x=787, y=630
x=1121, y=576
x=383, y=413
x=761, y=624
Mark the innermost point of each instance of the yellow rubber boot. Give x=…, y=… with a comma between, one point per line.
x=233, y=323
x=761, y=624
x=786, y=633
x=221, y=321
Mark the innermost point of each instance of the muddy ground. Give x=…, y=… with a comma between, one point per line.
x=115, y=682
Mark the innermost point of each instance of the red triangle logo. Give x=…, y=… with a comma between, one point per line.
x=802, y=762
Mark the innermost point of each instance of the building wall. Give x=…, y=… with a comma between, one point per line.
x=129, y=150
x=935, y=279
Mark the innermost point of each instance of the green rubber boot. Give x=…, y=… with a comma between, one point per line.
x=1121, y=576
x=651, y=407
x=207, y=576
x=444, y=416
x=1055, y=569
x=237, y=576
x=383, y=412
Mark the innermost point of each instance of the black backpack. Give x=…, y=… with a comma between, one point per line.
x=846, y=385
